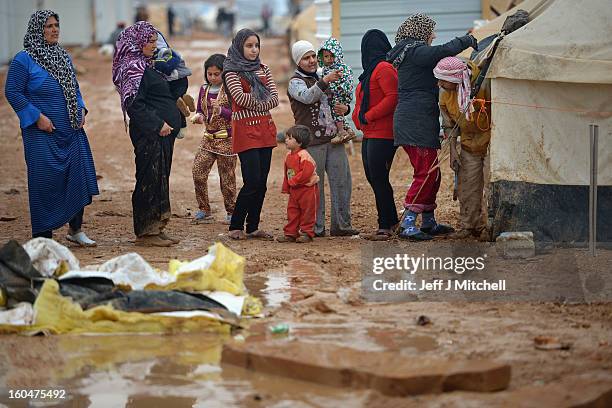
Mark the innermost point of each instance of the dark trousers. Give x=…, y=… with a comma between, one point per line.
x=255, y=166
x=75, y=225
x=377, y=156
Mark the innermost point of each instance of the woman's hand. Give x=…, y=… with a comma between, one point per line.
x=165, y=130
x=340, y=109
x=332, y=76
x=82, y=119
x=45, y=124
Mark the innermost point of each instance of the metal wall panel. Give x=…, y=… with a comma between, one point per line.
x=108, y=14
x=76, y=23
x=14, y=17
x=324, y=20
x=453, y=18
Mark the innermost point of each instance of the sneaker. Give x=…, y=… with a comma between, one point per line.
x=438, y=229
x=321, y=234
x=415, y=235
x=81, y=238
x=201, y=217
x=188, y=99
x=304, y=238
x=227, y=220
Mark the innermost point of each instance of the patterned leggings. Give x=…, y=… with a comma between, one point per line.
x=226, y=165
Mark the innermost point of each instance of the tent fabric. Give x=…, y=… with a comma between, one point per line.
x=569, y=41
x=547, y=146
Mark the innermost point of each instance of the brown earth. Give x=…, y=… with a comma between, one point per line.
x=317, y=284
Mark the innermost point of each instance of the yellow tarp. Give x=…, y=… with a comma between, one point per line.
x=225, y=274
x=56, y=314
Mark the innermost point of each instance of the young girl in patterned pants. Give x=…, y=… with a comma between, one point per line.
x=215, y=113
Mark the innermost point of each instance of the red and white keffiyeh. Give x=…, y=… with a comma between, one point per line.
x=452, y=69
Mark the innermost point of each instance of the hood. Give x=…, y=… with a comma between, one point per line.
x=332, y=45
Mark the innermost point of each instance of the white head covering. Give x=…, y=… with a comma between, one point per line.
x=299, y=49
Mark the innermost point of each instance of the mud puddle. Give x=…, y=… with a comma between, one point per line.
x=151, y=371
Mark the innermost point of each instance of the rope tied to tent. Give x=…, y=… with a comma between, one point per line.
x=482, y=111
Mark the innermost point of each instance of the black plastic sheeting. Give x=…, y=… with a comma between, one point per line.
x=21, y=282
x=556, y=214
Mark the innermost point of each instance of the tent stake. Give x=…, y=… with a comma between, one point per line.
x=594, y=134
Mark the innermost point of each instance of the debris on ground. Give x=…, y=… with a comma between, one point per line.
x=125, y=294
x=550, y=343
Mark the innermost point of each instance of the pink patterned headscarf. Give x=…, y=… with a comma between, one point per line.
x=452, y=69
x=129, y=63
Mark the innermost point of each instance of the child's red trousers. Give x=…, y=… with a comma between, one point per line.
x=302, y=210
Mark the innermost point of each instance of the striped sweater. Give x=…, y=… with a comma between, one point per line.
x=250, y=106
x=252, y=124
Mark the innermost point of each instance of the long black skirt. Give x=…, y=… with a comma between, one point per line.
x=151, y=196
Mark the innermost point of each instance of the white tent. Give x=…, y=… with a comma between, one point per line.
x=550, y=79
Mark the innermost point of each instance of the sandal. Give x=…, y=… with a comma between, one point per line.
x=379, y=235
x=260, y=234
x=237, y=235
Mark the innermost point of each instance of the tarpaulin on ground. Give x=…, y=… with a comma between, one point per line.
x=125, y=294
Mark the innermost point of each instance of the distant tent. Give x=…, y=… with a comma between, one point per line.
x=549, y=80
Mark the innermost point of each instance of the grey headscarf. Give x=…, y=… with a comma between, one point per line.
x=236, y=62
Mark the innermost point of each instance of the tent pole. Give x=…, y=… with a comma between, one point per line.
x=594, y=134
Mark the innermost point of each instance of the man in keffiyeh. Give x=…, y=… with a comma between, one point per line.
x=459, y=118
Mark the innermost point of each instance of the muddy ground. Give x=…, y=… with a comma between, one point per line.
x=314, y=287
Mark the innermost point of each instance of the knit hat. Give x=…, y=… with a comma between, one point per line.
x=452, y=69
x=299, y=49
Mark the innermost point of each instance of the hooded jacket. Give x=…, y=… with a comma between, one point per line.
x=342, y=88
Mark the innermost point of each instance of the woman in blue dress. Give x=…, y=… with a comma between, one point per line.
x=42, y=88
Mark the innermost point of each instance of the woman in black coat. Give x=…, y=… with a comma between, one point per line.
x=416, y=125
x=155, y=120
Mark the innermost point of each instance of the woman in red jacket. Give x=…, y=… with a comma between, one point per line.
x=376, y=97
x=252, y=93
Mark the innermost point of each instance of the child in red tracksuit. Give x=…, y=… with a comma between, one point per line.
x=301, y=182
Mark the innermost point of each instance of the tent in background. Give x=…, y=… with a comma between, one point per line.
x=549, y=80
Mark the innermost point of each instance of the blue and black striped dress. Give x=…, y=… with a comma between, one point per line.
x=61, y=172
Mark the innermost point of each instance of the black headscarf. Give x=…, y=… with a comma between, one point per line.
x=374, y=48
x=236, y=62
x=54, y=59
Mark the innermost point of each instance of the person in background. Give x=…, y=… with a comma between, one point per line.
x=266, y=15
x=310, y=107
x=301, y=182
x=214, y=111
x=416, y=125
x=112, y=39
x=170, y=14
x=42, y=88
x=375, y=102
x=252, y=94
x=154, y=123
x=460, y=119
